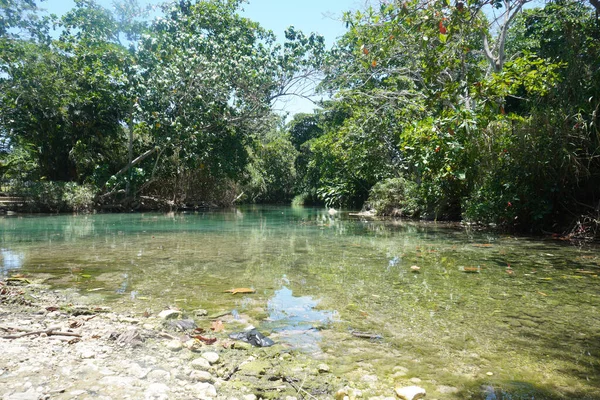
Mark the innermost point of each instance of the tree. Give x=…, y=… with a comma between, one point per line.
x=65, y=98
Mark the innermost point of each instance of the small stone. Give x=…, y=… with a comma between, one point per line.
x=211, y=357
x=174, y=345
x=347, y=393
x=201, y=376
x=415, y=380
x=157, y=391
x=169, y=314
x=158, y=375
x=249, y=397
x=410, y=392
x=323, y=368
x=201, y=313
x=239, y=345
x=447, y=389
x=490, y=373
x=201, y=364
x=87, y=354
x=369, y=378
x=205, y=390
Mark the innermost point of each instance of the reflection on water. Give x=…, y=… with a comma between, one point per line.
x=296, y=320
x=525, y=309
x=10, y=261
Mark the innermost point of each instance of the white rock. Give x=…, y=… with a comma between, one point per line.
x=138, y=371
x=201, y=376
x=169, y=314
x=87, y=353
x=174, y=345
x=120, y=381
x=159, y=375
x=76, y=393
x=415, y=380
x=157, y=391
x=410, y=392
x=211, y=357
x=28, y=395
x=249, y=397
x=205, y=390
x=201, y=364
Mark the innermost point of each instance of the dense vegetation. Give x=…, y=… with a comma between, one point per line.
x=480, y=110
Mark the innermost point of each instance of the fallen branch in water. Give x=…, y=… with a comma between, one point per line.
x=366, y=335
x=47, y=332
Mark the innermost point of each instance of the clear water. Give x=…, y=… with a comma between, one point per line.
x=494, y=316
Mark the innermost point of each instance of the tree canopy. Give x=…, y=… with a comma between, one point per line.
x=475, y=110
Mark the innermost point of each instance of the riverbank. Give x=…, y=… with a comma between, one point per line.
x=57, y=345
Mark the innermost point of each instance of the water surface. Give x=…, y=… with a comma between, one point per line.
x=493, y=316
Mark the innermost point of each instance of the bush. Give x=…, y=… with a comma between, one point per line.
x=54, y=196
x=397, y=197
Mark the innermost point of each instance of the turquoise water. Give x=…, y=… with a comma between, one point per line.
x=515, y=314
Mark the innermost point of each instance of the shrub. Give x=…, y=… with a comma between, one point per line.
x=55, y=196
x=396, y=197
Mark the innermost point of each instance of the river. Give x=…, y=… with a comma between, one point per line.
x=487, y=315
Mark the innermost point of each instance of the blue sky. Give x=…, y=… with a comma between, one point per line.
x=320, y=16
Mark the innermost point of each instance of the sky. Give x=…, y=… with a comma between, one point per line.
x=319, y=16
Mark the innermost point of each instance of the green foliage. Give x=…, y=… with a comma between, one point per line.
x=272, y=174
x=54, y=196
x=395, y=197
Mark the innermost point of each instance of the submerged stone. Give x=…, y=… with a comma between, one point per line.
x=410, y=392
x=211, y=357
x=169, y=314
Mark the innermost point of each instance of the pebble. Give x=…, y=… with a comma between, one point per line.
x=211, y=357
x=249, y=397
x=201, y=376
x=157, y=391
x=323, y=368
x=158, y=375
x=205, y=390
x=410, y=392
x=201, y=364
x=415, y=380
x=169, y=314
x=447, y=389
x=201, y=313
x=174, y=345
x=87, y=354
x=369, y=378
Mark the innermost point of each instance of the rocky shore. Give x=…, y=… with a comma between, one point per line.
x=54, y=348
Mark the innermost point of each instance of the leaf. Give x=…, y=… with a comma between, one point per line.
x=205, y=339
x=443, y=38
x=217, y=326
x=240, y=290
